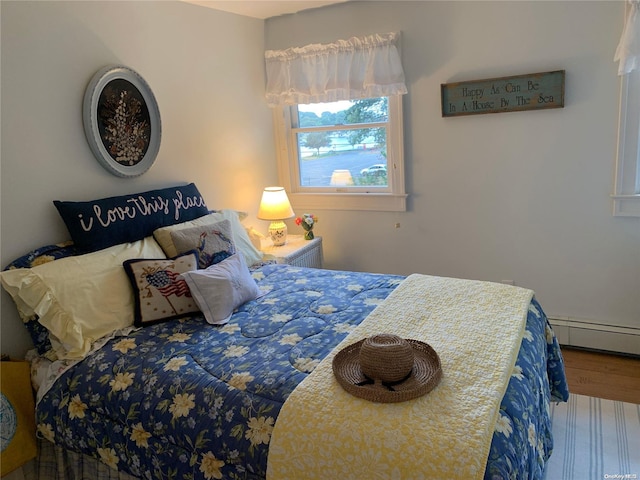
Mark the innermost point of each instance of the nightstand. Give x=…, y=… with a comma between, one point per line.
x=297, y=251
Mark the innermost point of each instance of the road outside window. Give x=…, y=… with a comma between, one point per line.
x=343, y=136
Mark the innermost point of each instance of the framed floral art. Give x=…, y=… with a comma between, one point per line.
x=121, y=121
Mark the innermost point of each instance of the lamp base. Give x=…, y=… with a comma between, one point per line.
x=278, y=233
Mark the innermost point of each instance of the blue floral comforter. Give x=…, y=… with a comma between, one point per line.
x=188, y=400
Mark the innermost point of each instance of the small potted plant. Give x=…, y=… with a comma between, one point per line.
x=308, y=220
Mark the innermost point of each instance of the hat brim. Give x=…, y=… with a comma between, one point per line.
x=425, y=375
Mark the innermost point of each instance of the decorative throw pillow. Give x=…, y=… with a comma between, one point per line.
x=158, y=291
x=99, y=224
x=222, y=288
x=17, y=408
x=241, y=238
x=214, y=242
x=79, y=299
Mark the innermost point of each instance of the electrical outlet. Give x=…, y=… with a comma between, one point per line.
x=508, y=282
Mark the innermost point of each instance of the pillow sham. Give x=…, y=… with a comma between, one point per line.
x=221, y=288
x=48, y=253
x=79, y=299
x=213, y=243
x=158, y=291
x=240, y=236
x=105, y=222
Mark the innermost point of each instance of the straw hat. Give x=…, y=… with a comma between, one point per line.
x=387, y=368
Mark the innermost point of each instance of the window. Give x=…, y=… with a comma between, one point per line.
x=343, y=155
x=626, y=196
x=338, y=121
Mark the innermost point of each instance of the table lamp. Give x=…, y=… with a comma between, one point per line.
x=275, y=206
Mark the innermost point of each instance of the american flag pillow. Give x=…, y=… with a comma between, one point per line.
x=159, y=292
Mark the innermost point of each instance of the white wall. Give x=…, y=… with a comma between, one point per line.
x=522, y=196
x=206, y=70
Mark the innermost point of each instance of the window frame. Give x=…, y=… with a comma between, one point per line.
x=391, y=198
x=626, y=196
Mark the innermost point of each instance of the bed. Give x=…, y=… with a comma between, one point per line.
x=194, y=393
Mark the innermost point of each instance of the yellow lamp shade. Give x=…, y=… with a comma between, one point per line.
x=275, y=205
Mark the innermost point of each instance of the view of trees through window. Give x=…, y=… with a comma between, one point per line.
x=343, y=143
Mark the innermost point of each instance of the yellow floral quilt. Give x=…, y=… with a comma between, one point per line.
x=476, y=327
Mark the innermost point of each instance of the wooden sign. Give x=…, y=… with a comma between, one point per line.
x=504, y=94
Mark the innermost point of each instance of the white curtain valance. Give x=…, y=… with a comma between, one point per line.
x=360, y=67
x=628, y=51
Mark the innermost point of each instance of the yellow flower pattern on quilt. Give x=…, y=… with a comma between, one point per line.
x=476, y=328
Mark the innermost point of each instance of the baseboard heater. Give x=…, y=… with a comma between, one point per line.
x=586, y=334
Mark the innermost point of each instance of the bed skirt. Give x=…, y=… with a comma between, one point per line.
x=56, y=463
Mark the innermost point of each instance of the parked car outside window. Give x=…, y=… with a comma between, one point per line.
x=378, y=169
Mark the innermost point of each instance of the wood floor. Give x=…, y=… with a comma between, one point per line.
x=603, y=375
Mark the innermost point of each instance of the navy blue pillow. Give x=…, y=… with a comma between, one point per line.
x=99, y=224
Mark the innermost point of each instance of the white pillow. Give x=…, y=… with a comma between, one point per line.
x=255, y=236
x=221, y=288
x=240, y=236
x=80, y=299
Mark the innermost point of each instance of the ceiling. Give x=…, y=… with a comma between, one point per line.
x=263, y=8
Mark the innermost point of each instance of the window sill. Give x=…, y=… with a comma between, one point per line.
x=381, y=202
x=626, y=205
